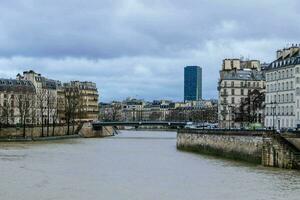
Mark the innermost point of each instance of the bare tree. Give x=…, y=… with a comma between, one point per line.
x=54, y=117
x=155, y=116
x=5, y=110
x=41, y=99
x=24, y=103
x=51, y=105
x=248, y=110
x=72, y=101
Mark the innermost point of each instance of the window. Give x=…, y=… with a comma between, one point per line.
x=297, y=91
x=232, y=100
x=242, y=91
x=232, y=91
x=297, y=70
x=232, y=83
x=298, y=80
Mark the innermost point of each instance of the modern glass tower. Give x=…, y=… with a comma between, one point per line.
x=192, y=83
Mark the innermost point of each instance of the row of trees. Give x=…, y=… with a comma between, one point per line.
x=45, y=108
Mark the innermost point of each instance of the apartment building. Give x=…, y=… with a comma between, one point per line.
x=283, y=89
x=45, y=98
x=87, y=108
x=16, y=102
x=237, y=79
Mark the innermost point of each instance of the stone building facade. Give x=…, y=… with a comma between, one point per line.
x=16, y=102
x=42, y=101
x=45, y=98
x=88, y=108
x=237, y=79
x=283, y=89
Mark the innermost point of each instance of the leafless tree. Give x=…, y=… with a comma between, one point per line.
x=6, y=110
x=248, y=110
x=50, y=107
x=155, y=116
x=54, y=117
x=24, y=103
x=72, y=101
x=41, y=99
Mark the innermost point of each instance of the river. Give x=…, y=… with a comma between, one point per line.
x=133, y=166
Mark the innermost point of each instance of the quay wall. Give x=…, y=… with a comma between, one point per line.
x=243, y=145
x=61, y=131
x=34, y=132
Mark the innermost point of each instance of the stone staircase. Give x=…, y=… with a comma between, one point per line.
x=279, y=152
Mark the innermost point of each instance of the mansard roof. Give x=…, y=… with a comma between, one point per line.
x=247, y=75
x=13, y=85
x=287, y=62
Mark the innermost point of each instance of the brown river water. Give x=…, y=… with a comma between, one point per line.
x=133, y=166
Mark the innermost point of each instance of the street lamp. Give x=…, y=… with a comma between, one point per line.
x=229, y=111
x=273, y=107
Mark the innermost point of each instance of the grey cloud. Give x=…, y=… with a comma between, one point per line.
x=139, y=47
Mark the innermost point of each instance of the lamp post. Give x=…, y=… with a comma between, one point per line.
x=229, y=117
x=273, y=107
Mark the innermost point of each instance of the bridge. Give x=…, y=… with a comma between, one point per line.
x=99, y=125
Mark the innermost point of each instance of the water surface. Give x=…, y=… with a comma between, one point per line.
x=133, y=166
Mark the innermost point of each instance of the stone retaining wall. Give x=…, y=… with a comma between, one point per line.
x=235, y=145
x=14, y=132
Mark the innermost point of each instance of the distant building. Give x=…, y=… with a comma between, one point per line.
x=46, y=96
x=283, y=89
x=34, y=99
x=238, y=79
x=16, y=102
x=192, y=83
x=159, y=110
x=87, y=106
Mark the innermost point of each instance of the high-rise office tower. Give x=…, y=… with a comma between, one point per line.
x=192, y=83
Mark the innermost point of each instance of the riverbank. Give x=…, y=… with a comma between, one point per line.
x=31, y=139
x=260, y=147
x=244, y=146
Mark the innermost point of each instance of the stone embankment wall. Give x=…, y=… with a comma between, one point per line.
x=35, y=133
x=281, y=151
x=243, y=145
x=87, y=131
x=14, y=132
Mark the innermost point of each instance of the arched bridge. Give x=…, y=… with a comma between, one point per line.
x=99, y=125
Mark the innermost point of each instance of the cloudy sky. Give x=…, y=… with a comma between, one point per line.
x=139, y=48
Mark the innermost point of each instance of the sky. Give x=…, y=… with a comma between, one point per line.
x=138, y=48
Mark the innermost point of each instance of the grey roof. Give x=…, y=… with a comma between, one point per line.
x=280, y=63
x=49, y=83
x=13, y=85
x=249, y=75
